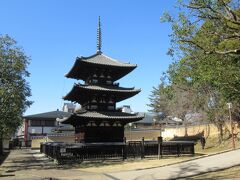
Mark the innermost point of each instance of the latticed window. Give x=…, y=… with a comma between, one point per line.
x=109, y=82
x=49, y=123
x=35, y=123
x=94, y=100
x=93, y=107
x=110, y=107
x=42, y=123
x=95, y=81
x=111, y=100
x=102, y=75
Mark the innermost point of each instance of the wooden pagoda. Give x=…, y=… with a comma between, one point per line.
x=98, y=120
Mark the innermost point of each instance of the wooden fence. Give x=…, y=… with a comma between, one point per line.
x=77, y=152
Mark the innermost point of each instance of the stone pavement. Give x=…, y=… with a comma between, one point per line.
x=184, y=169
x=27, y=164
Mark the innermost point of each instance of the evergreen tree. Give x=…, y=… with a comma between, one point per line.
x=205, y=44
x=14, y=90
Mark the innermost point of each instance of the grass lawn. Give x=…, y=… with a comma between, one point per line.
x=213, y=146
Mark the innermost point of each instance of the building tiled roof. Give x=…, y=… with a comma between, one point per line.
x=148, y=119
x=48, y=115
x=88, y=115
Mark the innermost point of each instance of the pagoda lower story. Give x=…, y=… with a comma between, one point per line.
x=92, y=134
x=101, y=126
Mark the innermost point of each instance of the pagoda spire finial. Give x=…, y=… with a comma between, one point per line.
x=99, y=36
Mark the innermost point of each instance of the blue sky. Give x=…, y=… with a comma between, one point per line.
x=54, y=32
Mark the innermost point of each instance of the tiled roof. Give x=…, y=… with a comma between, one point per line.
x=85, y=65
x=79, y=92
x=110, y=115
x=102, y=59
x=104, y=115
x=148, y=119
x=107, y=88
x=48, y=115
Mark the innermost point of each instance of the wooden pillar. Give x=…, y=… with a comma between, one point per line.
x=178, y=149
x=124, y=149
x=193, y=150
x=142, y=149
x=160, y=147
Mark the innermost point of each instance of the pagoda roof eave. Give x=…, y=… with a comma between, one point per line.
x=98, y=60
x=102, y=59
x=75, y=95
x=106, y=88
x=108, y=116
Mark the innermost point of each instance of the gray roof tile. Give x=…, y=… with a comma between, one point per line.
x=102, y=59
x=107, y=88
x=86, y=115
x=48, y=115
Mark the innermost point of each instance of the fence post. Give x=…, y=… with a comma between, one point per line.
x=124, y=149
x=193, y=151
x=159, y=147
x=178, y=149
x=142, y=151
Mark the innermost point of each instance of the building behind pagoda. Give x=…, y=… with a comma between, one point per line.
x=98, y=120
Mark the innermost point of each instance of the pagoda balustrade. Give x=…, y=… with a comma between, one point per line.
x=100, y=78
x=100, y=107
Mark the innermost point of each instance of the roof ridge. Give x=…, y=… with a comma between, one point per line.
x=87, y=57
x=117, y=61
x=100, y=54
x=46, y=113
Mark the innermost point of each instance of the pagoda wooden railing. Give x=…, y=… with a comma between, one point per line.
x=78, y=152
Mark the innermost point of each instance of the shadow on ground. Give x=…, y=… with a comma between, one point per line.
x=220, y=174
x=3, y=157
x=186, y=168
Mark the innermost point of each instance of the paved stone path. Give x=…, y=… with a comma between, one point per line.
x=27, y=164
x=190, y=168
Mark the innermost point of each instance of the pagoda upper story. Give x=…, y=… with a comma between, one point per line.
x=98, y=69
x=99, y=72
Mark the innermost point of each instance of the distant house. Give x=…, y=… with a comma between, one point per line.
x=155, y=120
x=69, y=107
x=146, y=122
x=149, y=120
x=171, y=121
x=42, y=124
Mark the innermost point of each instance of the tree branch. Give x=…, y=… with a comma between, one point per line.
x=232, y=51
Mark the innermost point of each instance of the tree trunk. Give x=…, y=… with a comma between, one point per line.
x=1, y=144
x=185, y=129
x=220, y=129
